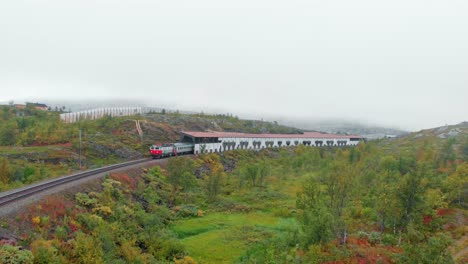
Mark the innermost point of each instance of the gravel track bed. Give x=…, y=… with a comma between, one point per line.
x=14, y=207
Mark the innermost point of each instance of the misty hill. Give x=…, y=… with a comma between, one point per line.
x=441, y=143
x=327, y=126
x=448, y=131
x=344, y=127
x=456, y=133
x=76, y=105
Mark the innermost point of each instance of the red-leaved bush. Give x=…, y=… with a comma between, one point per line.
x=125, y=179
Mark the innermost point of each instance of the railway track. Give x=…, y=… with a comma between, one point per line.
x=18, y=194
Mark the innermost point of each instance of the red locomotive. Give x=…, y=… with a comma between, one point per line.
x=170, y=149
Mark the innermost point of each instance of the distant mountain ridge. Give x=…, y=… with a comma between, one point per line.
x=443, y=132
x=327, y=126
x=346, y=127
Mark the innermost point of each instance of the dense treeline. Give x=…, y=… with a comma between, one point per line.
x=387, y=198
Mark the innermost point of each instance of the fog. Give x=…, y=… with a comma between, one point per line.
x=400, y=63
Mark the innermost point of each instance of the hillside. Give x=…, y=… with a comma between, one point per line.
x=35, y=145
x=333, y=126
x=449, y=131
x=396, y=200
x=386, y=201
x=453, y=139
x=344, y=127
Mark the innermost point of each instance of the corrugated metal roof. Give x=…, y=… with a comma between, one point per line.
x=213, y=134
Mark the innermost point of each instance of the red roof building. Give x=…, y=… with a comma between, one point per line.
x=214, y=134
x=212, y=141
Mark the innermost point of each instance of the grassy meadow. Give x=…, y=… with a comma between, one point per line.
x=221, y=237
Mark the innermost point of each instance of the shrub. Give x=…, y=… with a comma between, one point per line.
x=5, y=171
x=277, y=249
x=389, y=239
x=87, y=249
x=18, y=174
x=185, y=260
x=131, y=253
x=164, y=246
x=45, y=252
x=8, y=135
x=15, y=255
x=103, y=210
x=28, y=173
x=90, y=221
x=314, y=254
x=282, y=212
x=85, y=200
x=36, y=220
x=186, y=210
x=61, y=233
x=125, y=179
x=362, y=235
x=374, y=238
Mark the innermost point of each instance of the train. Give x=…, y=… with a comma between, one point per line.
x=171, y=149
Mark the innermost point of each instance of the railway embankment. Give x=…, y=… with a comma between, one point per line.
x=14, y=200
x=43, y=147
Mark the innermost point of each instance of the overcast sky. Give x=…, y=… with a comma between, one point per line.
x=401, y=63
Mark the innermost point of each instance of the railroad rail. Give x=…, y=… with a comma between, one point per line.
x=18, y=194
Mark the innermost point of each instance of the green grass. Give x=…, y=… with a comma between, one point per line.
x=214, y=247
x=195, y=226
x=221, y=238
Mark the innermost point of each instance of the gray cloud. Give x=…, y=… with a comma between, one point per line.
x=401, y=63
